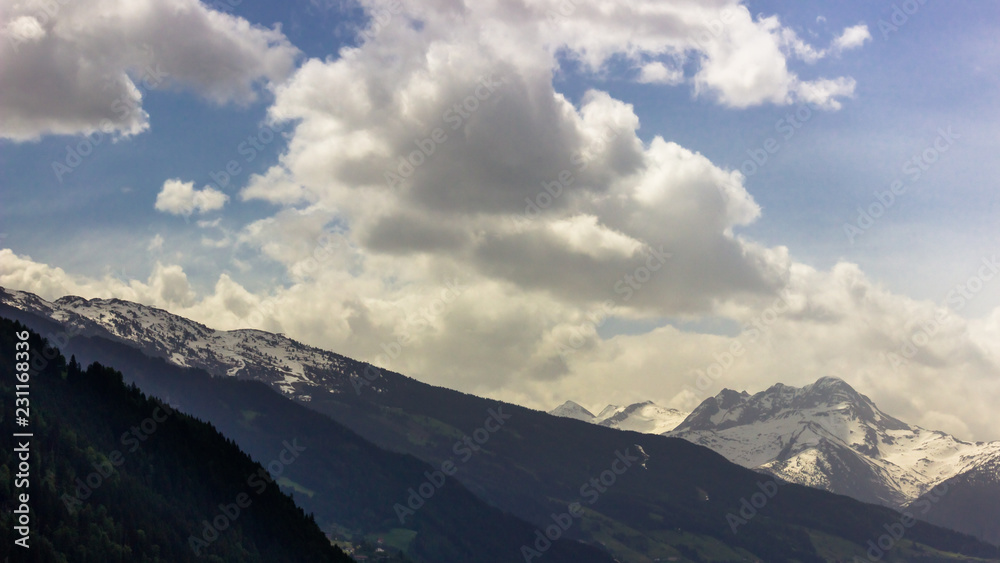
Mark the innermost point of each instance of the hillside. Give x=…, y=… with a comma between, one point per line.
x=118, y=475
x=675, y=500
x=351, y=486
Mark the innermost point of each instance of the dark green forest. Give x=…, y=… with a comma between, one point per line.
x=116, y=475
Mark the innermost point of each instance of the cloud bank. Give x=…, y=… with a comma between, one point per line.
x=78, y=67
x=437, y=158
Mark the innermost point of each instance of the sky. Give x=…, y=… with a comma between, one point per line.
x=534, y=200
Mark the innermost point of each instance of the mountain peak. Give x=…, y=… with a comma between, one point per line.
x=728, y=398
x=830, y=395
x=609, y=411
x=831, y=383
x=569, y=409
x=828, y=435
x=830, y=380
x=646, y=417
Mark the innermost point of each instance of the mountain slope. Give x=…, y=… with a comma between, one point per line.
x=969, y=502
x=829, y=436
x=350, y=485
x=671, y=498
x=100, y=491
x=281, y=362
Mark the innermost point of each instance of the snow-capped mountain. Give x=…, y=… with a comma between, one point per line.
x=644, y=417
x=609, y=411
x=824, y=435
x=289, y=366
x=829, y=436
x=969, y=502
x=569, y=409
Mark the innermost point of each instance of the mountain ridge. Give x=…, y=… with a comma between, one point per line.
x=829, y=436
x=533, y=469
x=645, y=416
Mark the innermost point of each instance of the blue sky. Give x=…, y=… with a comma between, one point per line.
x=97, y=229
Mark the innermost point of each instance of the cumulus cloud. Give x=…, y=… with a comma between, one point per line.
x=449, y=154
x=451, y=206
x=915, y=359
x=167, y=285
x=275, y=186
x=472, y=160
x=82, y=66
x=484, y=336
x=659, y=73
x=852, y=38
x=156, y=244
x=181, y=198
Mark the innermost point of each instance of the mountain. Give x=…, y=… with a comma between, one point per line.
x=351, y=486
x=638, y=496
x=644, y=417
x=970, y=501
x=609, y=410
x=98, y=490
x=569, y=409
x=829, y=436
x=291, y=367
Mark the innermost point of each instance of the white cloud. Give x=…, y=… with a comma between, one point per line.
x=852, y=38
x=167, y=285
x=24, y=29
x=499, y=341
x=156, y=244
x=461, y=159
x=275, y=186
x=658, y=73
x=181, y=198
x=544, y=211
x=82, y=66
x=741, y=60
x=825, y=93
x=467, y=187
